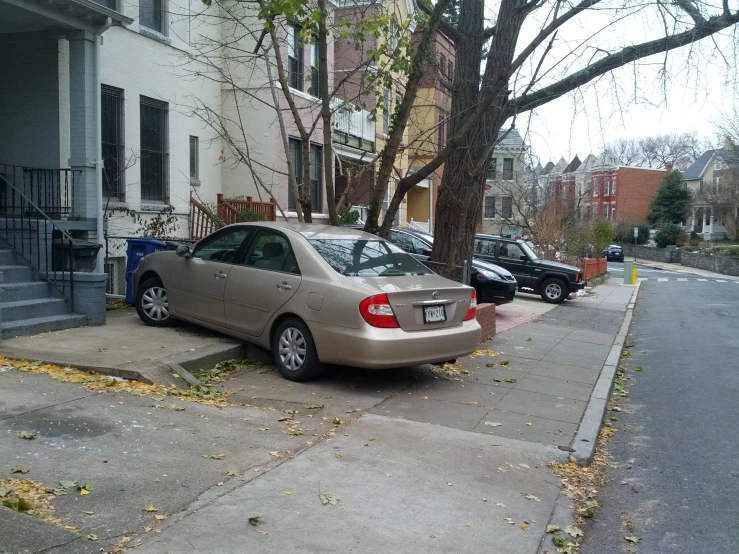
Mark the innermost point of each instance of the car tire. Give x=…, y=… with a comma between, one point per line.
x=554, y=291
x=152, y=304
x=295, y=352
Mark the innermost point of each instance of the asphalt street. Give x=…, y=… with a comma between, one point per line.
x=673, y=474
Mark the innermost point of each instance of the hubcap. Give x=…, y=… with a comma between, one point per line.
x=292, y=348
x=155, y=305
x=553, y=291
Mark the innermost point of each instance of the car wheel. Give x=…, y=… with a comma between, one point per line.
x=295, y=352
x=152, y=304
x=554, y=291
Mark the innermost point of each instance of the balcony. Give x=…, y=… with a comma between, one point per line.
x=354, y=128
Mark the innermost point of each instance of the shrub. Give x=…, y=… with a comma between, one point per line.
x=348, y=216
x=668, y=235
x=246, y=215
x=624, y=232
x=602, y=235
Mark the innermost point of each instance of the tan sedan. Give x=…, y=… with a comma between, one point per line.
x=311, y=294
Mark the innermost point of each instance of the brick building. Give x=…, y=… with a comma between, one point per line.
x=622, y=193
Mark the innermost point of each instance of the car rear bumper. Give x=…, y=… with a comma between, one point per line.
x=386, y=348
x=496, y=292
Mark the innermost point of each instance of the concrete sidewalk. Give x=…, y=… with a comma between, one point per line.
x=678, y=268
x=438, y=464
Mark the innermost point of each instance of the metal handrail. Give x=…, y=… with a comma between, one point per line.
x=28, y=256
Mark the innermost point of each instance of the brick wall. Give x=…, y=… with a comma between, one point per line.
x=486, y=319
x=635, y=188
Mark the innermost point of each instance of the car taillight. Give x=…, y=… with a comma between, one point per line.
x=472, y=310
x=376, y=311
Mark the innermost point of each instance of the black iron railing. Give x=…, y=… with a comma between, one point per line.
x=52, y=190
x=32, y=234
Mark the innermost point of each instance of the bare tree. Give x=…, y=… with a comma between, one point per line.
x=658, y=151
x=522, y=71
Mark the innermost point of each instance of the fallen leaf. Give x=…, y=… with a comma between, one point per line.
x=255, y=520
x=509, y=521
x=314, y=406
x=275, y=454
x=337, y=421
x=551, y=528
x=160, y=517
x=511, y=380
x=639, y=368
x=528, y=425
x=573, y=531
x=285, y=418
x=329, y=499
x=234, y=473
x=524, y=527
x=92, y=537
x=632, y=539
x=449, y=484
x=504, y=362
x=26, y=435
x=150, y=508
x=493, y=424
x=68, y=484
x=5, y=491
x=524, y=465
x=337, y=455
x=20, y=469
x=484, y=499
x=500, y=504
x=287, y=492
x=531, y=497
x=84, y=491
x=213, y=456
x=88, y=513
x=263, y=533
x=559, y=540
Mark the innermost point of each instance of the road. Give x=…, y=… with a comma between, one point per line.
x=673, y=474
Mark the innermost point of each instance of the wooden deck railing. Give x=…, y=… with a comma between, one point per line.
x=203, y=221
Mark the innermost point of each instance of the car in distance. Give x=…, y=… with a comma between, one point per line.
x=614, y=253
x=554, y=281
x=492, y=283
x=311, y=294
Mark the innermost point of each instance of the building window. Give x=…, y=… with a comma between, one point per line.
x=442, y=64
x=605, y=210
x=718, y=184
x=111, y=115
x=194, y=161
x=508, y=169
x=607, y=187
x=717, y=166
x=613, y=213
x=700, y=186
x=450, y=69
x=154, y=150
x=107, y=3
x=613, y=187
x=442, y=130
x=489, y=207
x=315, y=81
x=294, y=58
x=386, y=111
x=595, y=187
x=595, y=210
x=316, y=172
x=507, y=210
x=151, y=14
x=493, y=169
x=398, y=99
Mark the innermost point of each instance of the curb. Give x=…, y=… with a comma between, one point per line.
x=586, y=437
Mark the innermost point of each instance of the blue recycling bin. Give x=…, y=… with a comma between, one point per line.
x=137, y=249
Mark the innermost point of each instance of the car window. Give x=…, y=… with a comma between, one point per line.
x=527, y=249
x=409, y=243
x=272, y=251
x=485, y=247
x=370, y=258
x=510, y=250
x=221, y=247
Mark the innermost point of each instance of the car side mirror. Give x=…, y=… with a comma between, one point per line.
x=524, y=258
x=183, y=251
x=426, y=252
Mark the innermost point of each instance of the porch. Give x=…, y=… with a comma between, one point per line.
x=50, y=169
x=706, y=222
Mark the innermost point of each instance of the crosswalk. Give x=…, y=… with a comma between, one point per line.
x=685, y=279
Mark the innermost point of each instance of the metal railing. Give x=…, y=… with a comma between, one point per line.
x=51, y=190
x=31, y=233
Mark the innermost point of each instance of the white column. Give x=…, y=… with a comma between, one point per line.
x=692, y=221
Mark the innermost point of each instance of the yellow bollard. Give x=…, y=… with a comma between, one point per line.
x=633, y=276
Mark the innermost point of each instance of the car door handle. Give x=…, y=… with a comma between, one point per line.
x=283, y=286
x=219, y=275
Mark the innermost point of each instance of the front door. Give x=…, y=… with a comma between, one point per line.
x=511, y=257
x=260, y=283
x=197, y=283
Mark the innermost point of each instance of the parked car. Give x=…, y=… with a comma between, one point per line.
x=554, y=281
x=614, y=252
x=492, y=283
x=311, y=294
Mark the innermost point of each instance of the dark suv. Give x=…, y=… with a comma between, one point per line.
x=552, y=280
x=614, y=252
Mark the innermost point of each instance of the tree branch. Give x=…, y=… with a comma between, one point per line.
x=618, y=59
x=443, y=24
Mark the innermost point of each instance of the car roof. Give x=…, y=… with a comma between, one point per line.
x=314, y=231
x=497, y=237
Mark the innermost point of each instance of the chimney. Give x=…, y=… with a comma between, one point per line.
x=668, y=166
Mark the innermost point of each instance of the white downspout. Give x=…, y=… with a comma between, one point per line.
x=100, y=231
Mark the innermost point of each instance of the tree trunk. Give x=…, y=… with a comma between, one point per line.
x=305, y=200
x=328, y=153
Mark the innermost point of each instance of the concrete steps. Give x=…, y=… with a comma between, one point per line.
x=29, y=306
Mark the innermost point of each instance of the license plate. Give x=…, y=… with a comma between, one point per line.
x=434, y=314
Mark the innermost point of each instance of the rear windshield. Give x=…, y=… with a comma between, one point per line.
x=368, y=258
